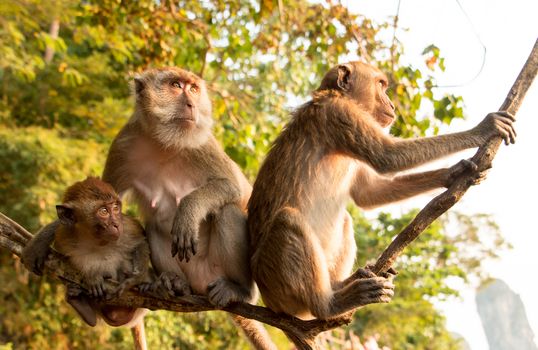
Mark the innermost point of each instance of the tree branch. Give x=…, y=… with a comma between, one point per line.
x=483, y=159
x=14, y=237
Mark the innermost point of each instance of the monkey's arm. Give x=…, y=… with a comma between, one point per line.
x=357, y=133
x=194, y=208
x=36, y=251
x=115, y=172
x=221, y=188
x=371, y=190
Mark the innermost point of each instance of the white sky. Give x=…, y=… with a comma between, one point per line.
x=508, y=29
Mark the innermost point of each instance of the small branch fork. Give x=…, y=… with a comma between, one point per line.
x=13, y=237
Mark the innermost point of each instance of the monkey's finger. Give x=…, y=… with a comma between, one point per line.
x=99, y=289
x=510, y=129
x=513, y=135
x=506, y=129
x=194, y=246
x=174, y=247
x=183, y=249
x=470, y=164
x=167, y=284
x=506, y=114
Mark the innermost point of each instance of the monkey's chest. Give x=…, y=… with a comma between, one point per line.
x=162, y=184
x=106, y=264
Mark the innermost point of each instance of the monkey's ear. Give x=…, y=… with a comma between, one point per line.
x=138, y=84
x=66, y=214
x=344, y=74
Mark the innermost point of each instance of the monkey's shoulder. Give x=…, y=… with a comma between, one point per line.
x=133, y=229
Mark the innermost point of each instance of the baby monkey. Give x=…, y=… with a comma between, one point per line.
x=103, y=244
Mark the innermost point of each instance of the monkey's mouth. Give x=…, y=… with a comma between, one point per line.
x=184, y=120
x=390, y=116
x=388, y=119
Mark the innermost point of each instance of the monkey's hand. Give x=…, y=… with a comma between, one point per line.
x=366, y=272
x=467, y=168
x=36, y=252
x=97, y=288
x=34, y=259
x=496, y=124
x=184, y=234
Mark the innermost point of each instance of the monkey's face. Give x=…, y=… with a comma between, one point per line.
x=365, y=84
x=92, y=210
x=370, y=91
x=175, y=104
x=383, y=107
x=107, y=220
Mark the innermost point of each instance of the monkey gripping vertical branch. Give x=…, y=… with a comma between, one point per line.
x=483, y=159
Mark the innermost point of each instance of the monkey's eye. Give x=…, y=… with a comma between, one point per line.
x=116, y=209
x=103, y=212
x=178, y=84
x=194, y=89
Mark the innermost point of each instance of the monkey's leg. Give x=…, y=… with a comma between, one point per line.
x=345, y=256
x=228, y=248
x=171, y=280
x=81, y=303
x=294, y=277
x=291, y=269
x=229, y=245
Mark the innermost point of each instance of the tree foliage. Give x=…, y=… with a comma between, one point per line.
x=260, y=59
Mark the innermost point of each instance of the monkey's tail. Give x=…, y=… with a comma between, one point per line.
x=255, y=332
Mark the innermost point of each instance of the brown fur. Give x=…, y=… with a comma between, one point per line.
x=99, y=252
x=333, y=150
x=191, y=195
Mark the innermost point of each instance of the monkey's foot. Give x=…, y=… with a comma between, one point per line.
x=171, y=284
x=97, y=288
x=468, y=169
x=222, y=292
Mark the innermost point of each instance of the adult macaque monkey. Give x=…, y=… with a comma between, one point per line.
x=191, y=195
x=103, y=244
x=334, y=149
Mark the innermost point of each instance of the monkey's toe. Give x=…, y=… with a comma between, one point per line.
x=171, y=284
x=222, y=292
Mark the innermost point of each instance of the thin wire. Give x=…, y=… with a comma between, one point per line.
x=395, y=28
x=484, y=52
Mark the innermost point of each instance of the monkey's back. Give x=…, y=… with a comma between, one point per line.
x=290, y=167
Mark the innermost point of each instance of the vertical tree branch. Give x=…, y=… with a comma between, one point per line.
x=53, y=33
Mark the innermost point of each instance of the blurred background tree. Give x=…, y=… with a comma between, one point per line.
x=65, y=69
